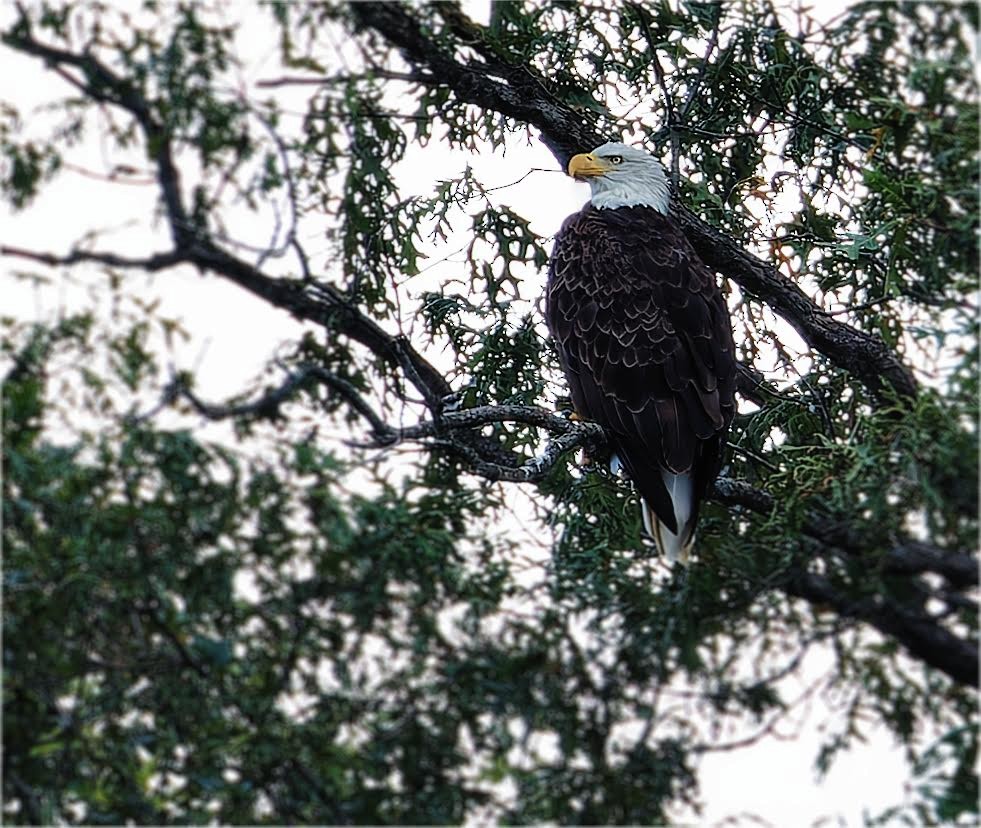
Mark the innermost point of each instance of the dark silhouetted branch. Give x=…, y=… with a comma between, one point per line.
x=921, y=635
x=102, y=84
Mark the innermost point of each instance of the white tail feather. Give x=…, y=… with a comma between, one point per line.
x=675, y=547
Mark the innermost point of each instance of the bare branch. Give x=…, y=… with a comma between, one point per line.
x=269, y=404
x=383, y=74
x=158, y=261
x=444, y=432
x=289, y=239
x=697, y=85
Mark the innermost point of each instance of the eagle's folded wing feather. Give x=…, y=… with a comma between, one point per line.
x=644, y=337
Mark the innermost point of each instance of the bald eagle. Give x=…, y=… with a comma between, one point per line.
x=644, y=338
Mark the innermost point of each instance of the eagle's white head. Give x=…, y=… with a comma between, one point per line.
x=622, y=176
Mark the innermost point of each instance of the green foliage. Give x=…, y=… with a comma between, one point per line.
x=270, y=623
x=113, y=712
x=26, y=164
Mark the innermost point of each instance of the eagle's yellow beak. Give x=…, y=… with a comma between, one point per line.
x=587, y=166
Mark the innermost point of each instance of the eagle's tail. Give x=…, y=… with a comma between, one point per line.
x=675, y=547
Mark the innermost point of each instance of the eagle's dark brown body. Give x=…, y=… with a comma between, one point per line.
x=645, y=340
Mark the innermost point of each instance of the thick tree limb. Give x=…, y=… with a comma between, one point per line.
x=521, y=96
x=922, y=635
x=566, y=132
x=908, y=557
x=924, y=638
x=959, y=569
x=865, y=356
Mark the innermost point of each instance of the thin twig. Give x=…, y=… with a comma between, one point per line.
x=697, y=85
x=29, y=798
x=269, y=404
x=671, y=122
x=872, y=303
x=384, y=74
x=292, y=197
x=751, y=455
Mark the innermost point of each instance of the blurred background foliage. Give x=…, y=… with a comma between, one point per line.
x=285, y=626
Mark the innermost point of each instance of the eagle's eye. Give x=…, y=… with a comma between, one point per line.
x=616, y=159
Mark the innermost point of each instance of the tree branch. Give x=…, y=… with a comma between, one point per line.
x=305, y=299
x=371, y=74
x=29, y=798
x=522, y=99
x=864, y=355
x=314, y=302
x=102, y=84
x=922, y=636
x=670, y=121
x=959, y=569
x=269, y=404
x=158, y=261
x=697, y=85
x=907, y=557
x=453, y=431
x=567, y=132
x=523, y=96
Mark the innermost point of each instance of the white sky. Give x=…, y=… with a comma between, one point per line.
x=233, y=336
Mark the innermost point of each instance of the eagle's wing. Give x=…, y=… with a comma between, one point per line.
x=645, y=340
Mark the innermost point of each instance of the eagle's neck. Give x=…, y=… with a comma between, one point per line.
x=644, y=188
